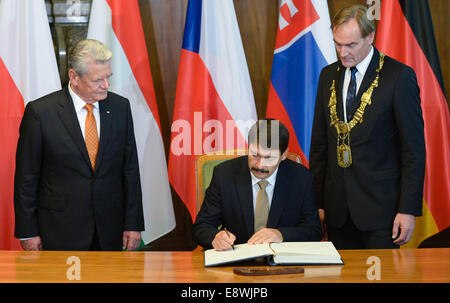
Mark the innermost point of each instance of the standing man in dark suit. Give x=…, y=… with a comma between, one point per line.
x=77, y=183
x=367, y=147
x=259, y=198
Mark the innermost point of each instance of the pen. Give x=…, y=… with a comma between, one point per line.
x=228, y=235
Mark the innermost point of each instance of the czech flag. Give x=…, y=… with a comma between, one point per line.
x=304, y=45
x=405, y=33
x=214, y=105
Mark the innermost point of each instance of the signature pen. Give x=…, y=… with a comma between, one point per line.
x=229, y=237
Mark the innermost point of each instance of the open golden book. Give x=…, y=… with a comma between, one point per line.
x=285, y=253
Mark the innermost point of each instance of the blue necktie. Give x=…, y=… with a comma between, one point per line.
x=351, y=92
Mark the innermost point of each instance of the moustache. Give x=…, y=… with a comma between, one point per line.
x=262, y=170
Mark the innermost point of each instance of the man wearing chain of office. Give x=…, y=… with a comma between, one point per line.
x=367, y=147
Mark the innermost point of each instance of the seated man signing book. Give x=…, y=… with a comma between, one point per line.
x=259, y=198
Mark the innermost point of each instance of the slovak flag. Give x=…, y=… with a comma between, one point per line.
x=304, y=45
x=214, y=105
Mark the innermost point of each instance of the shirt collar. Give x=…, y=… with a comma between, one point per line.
x=272, y=178
x=78, y=102
x=364, y=64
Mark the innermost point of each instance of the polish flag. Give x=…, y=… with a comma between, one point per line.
x=28, y=71
x=117, y=24
x=214, y=105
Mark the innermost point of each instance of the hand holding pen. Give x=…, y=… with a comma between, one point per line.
x=223, y=240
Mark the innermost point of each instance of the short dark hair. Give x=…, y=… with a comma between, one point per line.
x=262, y=133
x=359, y=13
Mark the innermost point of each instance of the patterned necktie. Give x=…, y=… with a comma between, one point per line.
x=91, y=135
x=351, y=92
x=262, y=206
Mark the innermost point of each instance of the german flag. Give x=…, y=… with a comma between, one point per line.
x=405, y=33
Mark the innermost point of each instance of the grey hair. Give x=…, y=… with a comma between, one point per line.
x=85, y=50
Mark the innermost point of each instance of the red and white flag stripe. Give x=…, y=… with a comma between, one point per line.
x=214, y=105
x=28, y=71
x=118, y=25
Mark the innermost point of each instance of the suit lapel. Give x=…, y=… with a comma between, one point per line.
x=244, y=192
x=68, y=116
x=339, y=76
x=278, y=203
x=369, y=76
x=105, y=129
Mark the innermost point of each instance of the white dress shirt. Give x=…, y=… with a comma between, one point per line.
x=82, y=112
x=269, y=188
x=362, y=68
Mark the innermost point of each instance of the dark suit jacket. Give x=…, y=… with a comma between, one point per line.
x=229, y=202
x=57, y=195
x=388, y=149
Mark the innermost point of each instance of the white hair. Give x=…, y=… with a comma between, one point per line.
x=85, y=50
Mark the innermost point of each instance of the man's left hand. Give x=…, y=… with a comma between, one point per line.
x=405, y=223
x=266, y=235
x=131, y=240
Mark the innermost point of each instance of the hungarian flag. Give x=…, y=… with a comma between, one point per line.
x=405, y=33
x=117, y=24
x=214, y=105
x=28, y=71
x=304, y=45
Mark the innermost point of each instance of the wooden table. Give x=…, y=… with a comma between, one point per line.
x=393, y=266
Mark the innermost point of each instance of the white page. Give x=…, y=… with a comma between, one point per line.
x=305, y=253
x=307, y=248
x=239, y=253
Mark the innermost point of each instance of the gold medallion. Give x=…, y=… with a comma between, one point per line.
x=344, y=152
x=344, y=155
